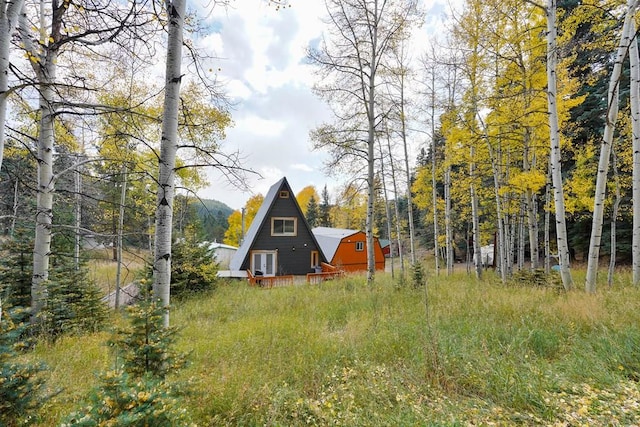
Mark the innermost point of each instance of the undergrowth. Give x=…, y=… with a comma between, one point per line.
x=345, y=353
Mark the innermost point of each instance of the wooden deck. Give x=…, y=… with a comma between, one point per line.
x=269, y=281
x=328, y=272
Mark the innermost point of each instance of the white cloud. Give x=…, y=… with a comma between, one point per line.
x=262, y=53
x=261, y=127
x=302, y=167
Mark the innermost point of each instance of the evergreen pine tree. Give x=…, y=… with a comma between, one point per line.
x=312, y=212
x=16, y=265
x=137, y=393
x=74, y=302
x=324, y=217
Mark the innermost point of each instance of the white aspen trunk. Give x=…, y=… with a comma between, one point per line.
x=547, y=223
x=447, y=220
x=412, y=244
x=169, y=146
x=45, y=70
x=635, y=126
x=403, y=135
x=614, y=217
x=45, y=189
x=387, y=210
x=123, y=195
x=8, y=18
x=371, y=118
x=434, y=191
x=501, y=262
x=15, y=208
x=475, y=221
x=397, y=212
x=521, y=240
x=513, y=228
x=532, y=226
x=555, y=155
x=78, y=215
x=605, y=150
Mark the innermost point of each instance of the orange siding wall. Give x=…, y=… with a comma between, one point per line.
x=348, y=259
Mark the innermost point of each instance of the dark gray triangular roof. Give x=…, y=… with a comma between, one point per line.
x=259, y=221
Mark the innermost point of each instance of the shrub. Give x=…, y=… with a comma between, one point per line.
x=74, y=302
x=21, y=384
x=137, y=392
x=146, y=347
x=418, y=278
x=122, y=401
x=536, y=278
x=192, y=267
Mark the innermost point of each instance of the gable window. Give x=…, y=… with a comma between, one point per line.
x=359, y=246
x=284, y=194
x=284, y=226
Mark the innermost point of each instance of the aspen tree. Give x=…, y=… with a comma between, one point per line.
x=9, y=11
x=175, y=10
x=360, y=34
x=635, y=132
x=43, y=42
x=605, y=148
x=555, y=163
x=396, y=192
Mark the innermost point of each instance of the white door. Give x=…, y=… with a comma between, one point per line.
x=264, y=261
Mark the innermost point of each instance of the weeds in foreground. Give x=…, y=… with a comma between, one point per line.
x=347, y=354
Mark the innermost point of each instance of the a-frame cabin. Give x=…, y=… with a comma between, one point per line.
x=279, y=240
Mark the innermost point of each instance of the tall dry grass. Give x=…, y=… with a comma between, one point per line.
x=344, y=353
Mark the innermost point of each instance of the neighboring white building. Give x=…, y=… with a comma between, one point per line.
x=486, y=253
x=222, y=254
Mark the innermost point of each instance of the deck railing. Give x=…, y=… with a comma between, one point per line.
x=269, y=281
x=328, y=272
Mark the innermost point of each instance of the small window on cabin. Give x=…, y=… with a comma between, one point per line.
x=284, y=194
x=315, y=259
x=284, y=226
x=359, y=246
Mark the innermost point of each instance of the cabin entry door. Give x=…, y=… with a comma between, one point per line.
x=264, y=261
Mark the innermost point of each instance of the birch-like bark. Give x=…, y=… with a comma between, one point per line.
x=555, y=155
x=475, y=221
x=412, y=239
x=371, y=128
x=167, y=161
x=448, y=229
x=521, y=240
x=614, y=217
x=635, y=128
x=9, y=11
x=123, y=195
x=547, y=223
x=501, y=261
x=605, y=149
x=397, y=212
x=387, y=210
x=44, y=66
x=434, y=190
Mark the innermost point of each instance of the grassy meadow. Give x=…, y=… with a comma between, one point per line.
x=459, y=352
x=102, y=267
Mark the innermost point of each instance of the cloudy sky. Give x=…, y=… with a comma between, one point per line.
x=262, y=55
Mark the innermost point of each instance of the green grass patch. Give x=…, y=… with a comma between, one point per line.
x=345, y=353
